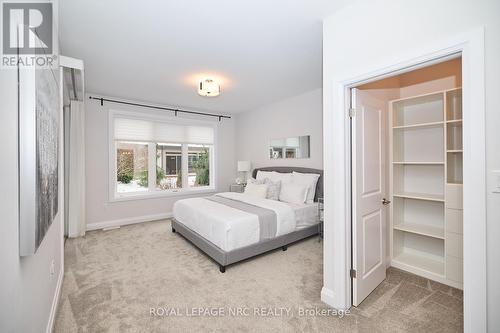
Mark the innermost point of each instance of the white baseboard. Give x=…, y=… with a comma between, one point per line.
x=55, y=302
x=126, y=221
x=327, y=296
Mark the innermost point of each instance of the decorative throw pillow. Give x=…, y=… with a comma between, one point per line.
x=256, y=190
x=293, y=193
x=273, y=189
x=308, y=179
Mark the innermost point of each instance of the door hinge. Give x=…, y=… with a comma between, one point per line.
x=352, y=113
x=352, y=273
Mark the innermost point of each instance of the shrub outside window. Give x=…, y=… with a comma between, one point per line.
x=199, y=165
x=131, y=167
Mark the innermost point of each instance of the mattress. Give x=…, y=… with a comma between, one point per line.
x=229, y=228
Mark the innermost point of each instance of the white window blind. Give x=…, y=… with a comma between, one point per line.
x=145, y=130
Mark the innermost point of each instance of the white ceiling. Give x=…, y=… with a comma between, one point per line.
x=261, y=50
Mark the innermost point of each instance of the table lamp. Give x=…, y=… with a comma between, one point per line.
x=243, y=166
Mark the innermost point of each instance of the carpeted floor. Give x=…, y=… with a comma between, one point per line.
x=114, y=279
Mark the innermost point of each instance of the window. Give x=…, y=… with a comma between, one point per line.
x=168, y=166
x=158, y=157
x=198, y=165
x=131, y=167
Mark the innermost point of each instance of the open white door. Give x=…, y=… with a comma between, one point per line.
x=368, y=190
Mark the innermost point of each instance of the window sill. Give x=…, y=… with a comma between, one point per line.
x=161, y=194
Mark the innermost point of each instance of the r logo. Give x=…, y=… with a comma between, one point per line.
x=27, y=27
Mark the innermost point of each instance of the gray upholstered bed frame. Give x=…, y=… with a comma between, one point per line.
x=225, y=258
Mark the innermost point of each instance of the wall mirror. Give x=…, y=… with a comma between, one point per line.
x=293, y=147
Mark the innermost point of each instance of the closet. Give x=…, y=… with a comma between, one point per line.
x=425, y=184
x=407, y=177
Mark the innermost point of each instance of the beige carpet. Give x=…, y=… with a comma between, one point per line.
x=114, y=278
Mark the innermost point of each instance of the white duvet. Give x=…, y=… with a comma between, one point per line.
x=227, y=227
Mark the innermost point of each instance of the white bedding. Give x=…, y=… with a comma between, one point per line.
x=306, y=215
x=227, y=227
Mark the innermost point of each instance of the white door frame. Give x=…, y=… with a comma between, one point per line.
x=336, y=126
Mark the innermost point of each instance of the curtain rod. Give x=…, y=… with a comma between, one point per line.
x=102, y=99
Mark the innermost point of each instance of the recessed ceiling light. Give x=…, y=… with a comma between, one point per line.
x=209, y=88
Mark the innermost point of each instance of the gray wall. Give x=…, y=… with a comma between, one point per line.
x=27, y=288
x=99, y=209
x=298, y=115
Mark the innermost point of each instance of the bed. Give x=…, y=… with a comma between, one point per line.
x=231, y=227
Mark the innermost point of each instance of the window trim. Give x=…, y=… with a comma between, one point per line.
x=113, y=195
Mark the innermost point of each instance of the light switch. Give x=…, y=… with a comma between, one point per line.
x=495, y=181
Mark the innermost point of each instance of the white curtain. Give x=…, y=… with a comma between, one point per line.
x=76, y=181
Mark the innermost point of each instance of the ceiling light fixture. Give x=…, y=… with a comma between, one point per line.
x=209, y=88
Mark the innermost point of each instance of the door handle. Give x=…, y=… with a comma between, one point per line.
x=385, y=201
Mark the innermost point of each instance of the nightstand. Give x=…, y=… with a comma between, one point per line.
x=239, y=188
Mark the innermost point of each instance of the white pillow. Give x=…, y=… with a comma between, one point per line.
x=281, y=176
x=308, y=179
x=275, y=176
x=262, y=175
x=256, y=190
x=293, y=193
x=255, y=181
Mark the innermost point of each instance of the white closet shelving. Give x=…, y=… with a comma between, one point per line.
x=425, y=178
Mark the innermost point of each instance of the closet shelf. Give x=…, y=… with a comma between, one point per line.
x=421, y=229
x=421, y=262
x=426, y=149
x=420, y=196
x=420, y=163
x=421, y=125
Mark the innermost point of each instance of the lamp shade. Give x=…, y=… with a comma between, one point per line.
x=244, y=166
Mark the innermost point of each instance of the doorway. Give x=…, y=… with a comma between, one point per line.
x=407, y=183
x=336, y=290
